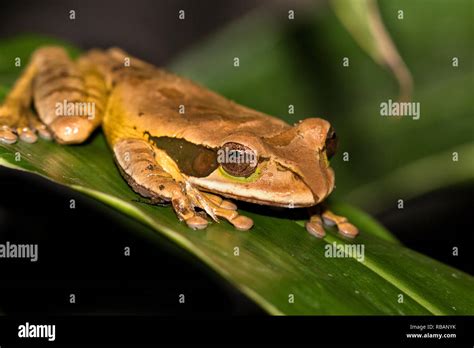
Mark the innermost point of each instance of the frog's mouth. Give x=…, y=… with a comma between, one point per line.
x=255, y=196
x=274, y=186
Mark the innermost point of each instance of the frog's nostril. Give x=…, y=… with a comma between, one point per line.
x=71, y=129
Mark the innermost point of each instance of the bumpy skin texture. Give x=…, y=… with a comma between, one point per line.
x=137, y=103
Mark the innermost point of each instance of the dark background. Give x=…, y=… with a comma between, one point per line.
x=148, y=28
x=77, y=258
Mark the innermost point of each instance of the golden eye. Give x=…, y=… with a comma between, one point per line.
x=331, y=143
x=237, y=159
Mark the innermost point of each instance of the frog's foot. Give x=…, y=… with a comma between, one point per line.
x=343, y=225
x=317, y=219
x=216, y=207
x=18, y=122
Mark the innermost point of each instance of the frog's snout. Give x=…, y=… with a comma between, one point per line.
x=71, y=129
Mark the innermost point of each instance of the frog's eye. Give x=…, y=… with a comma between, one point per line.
x=331, y=143
x=237, y=159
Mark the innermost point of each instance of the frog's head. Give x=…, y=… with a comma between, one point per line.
x=288, y=169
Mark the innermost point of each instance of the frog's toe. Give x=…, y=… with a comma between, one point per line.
x=196, y=222
x=44, y=133
x=242, y=223
x=27, y=134
x=21, y=125
x=7, y=136
x=220, y=202
x=217, y=207
x=30, y=127
x=347, y=229
x=39, y=127
x=185, y=211
x=228, y=205
x=315, y=226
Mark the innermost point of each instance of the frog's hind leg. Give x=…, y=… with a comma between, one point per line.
x=16, y=117
x=136, y=161
x=69, y=98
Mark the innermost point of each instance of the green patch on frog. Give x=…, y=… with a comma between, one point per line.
x=194, y=160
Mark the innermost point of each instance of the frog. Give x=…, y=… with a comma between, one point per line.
x=175, y=141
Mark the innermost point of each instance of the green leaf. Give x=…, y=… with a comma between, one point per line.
x=278, y=260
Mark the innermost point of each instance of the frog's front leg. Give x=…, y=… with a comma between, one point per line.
x=144, y=171
x=321, y=215
x=136, y=161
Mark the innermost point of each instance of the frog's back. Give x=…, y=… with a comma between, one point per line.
x=163, y=104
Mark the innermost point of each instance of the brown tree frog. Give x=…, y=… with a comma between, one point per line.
x=174, y=140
